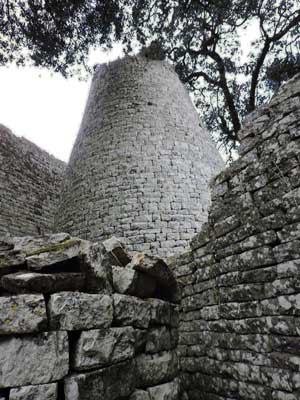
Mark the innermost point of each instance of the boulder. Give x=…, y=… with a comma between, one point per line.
x=97, y=348
x=22, y=314
x=33, y=359
x=129, y=310
x=33, y=282
x=132, y=282
x=115, y=382
x=76, y=311
x=37, y=392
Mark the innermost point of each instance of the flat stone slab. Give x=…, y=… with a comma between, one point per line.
x=30, y=244
x=98, y=348
x=115, y=382
x=36, y=392
x=129, y=310
x=75, y=311
x=33, y=282
x=52, y=250
x=22, y=314
x=48, y=256
x=132, y=282
x=153, y=369
x=33, y=359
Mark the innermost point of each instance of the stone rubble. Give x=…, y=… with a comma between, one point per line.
x=84, y=322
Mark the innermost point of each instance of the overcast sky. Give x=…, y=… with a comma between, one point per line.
x=43, y=107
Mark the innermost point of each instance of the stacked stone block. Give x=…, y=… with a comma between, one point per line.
x=69, y=329
x=141, y=163
x=239, y=328
x=30, y=181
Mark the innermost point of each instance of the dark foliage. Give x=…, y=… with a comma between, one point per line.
x=205, y=39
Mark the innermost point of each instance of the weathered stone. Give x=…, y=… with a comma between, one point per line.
x=97, y=268
x=154, y=267
x=159, y=339
x=30, y=244
x=11, y=261
x=50, y=255
x=116, y=249
x=22, y=314
x=132, y=282
x=129, y=310
x=140, y=395
x=98, y=348
x=37, y=392
x=6, y=243
x=153, y=369
x=75, y=311
x=32, y=282
x=33, y=359
x=163, y=313
x=117, y=381
x=167, y=391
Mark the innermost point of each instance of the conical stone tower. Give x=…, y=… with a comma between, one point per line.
x=141, y=165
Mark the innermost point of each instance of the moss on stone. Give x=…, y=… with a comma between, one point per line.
x=59, y=248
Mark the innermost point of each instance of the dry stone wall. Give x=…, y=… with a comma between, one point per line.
x=82, y=321
x=141, y=164
x=240, y=320
x=30, y=182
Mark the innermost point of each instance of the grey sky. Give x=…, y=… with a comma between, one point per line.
x=43, y=107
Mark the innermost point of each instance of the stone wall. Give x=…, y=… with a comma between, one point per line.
x=141, y=164
x=82, y=321
x=239, y=329
x=30, y=182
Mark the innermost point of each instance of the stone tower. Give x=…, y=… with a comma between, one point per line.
x=141, y=165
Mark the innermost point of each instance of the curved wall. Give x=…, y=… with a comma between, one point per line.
x=141, y=164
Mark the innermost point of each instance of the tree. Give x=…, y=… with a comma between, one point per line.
x=57, y=34
x=204, y=39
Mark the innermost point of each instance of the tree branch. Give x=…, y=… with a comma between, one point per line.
x=261, y=59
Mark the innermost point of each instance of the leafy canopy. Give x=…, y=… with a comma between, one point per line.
x=206, y=40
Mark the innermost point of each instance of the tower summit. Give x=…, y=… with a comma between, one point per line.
x=141, y=164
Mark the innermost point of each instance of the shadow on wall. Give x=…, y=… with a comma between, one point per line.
x=240, y=311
